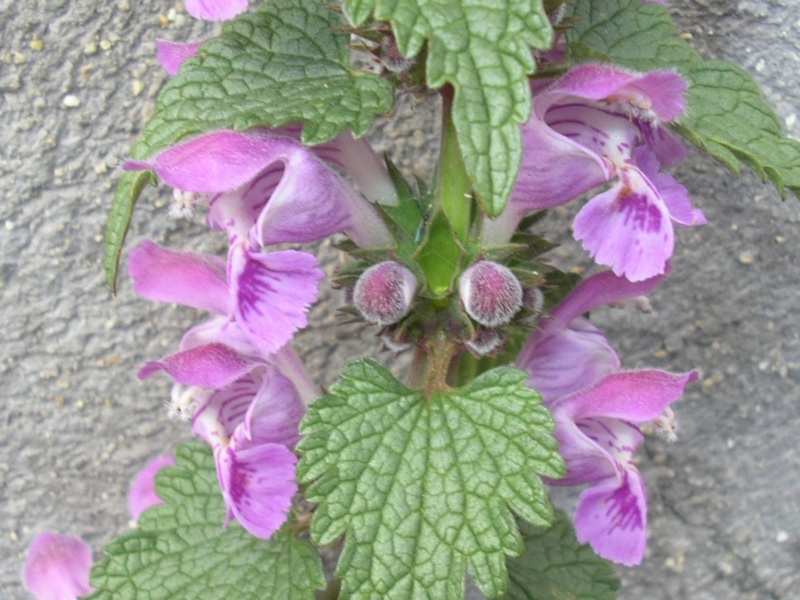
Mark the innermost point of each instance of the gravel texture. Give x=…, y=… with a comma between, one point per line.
x=78, y=78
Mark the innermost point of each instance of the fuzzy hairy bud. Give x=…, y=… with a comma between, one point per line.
x=491, y=294
x=384, y=292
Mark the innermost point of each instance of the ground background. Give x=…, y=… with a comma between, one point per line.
x=77, y=79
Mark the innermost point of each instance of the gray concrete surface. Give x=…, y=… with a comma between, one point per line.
x=77, y=78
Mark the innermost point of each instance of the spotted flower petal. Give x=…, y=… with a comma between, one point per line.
x=272, y=293
x=258, y=484
x=627, y=228
x=612, y=517
x=597, y=432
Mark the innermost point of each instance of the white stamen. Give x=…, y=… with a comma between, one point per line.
x=640, y=303
x=185, y=400
x=183, y=204
x=666, y=426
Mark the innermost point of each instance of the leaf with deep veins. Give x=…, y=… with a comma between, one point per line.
x=484, y=51
x=287, y=63
x=424, y=488
x=555, y=566
x=181, y=551
x=726, y=115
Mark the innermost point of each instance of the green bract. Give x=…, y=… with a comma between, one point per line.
x=484, y=51
x=181, y=550
x=287, y=63
x=726, y=115
x=423, y=488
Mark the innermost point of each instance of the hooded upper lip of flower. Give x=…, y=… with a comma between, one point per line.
x=596, y=408
x=267, y=188
x=594, y=125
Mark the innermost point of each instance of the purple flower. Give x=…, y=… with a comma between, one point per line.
x=215, y=10
x=57, y=567
x=597, y=409
x=142, y=494
x=597, y=429
x=263, y=295
x=567, y=352
x=267, y=189
x=599, y=124
x=251, y=424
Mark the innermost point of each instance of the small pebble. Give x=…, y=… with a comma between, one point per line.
x=71, y=101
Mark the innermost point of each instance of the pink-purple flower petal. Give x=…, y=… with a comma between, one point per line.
x=637, y=396
x=274, y=414
x=612, y=517
x=187, y=278
x=258, y=484
x=627, y=228
x=210, y=365
x=567, y=359
x=142, y=494
x=215, y=10
x=272, y=292
x=216, y=162
x=568, y=353
x=172, y=55
x=57, y=567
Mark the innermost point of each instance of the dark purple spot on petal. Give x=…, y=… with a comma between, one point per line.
x=639, y=212
x=623, y=509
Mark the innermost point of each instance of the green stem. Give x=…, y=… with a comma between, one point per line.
x=440, y=354
x=332, y=591
x=417, y=369
x=452, y=182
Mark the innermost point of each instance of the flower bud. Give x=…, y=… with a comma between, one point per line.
x=485, y=342
x=491, y=294
x=533, y=300
x=384, y=292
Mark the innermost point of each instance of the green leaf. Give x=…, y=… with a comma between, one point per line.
x=181, y=550
x=287, y=63
x=422, y=487
x=726, y=115
x=728, y=118
x=628, y=32
x=484, y=52
x=554, y=566
x=129, y=187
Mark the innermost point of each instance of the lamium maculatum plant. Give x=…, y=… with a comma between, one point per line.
x=414, y=484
